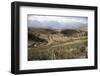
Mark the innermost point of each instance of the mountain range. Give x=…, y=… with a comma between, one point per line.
x=56, y=25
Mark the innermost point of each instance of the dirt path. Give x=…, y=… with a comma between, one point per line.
x=67, y=43
x=61, y=44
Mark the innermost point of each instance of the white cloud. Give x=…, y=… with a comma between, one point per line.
x=56, y=21
x=58, y=18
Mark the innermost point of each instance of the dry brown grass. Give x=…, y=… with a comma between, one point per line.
x=76, y=49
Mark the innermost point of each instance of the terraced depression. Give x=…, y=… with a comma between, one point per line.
x=48, y=41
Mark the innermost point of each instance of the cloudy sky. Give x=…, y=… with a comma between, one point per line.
x=56, y=22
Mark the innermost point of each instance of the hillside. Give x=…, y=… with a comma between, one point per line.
x=73, y=32
x=50, y=44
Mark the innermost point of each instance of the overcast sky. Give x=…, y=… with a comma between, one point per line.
x=56, y=21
